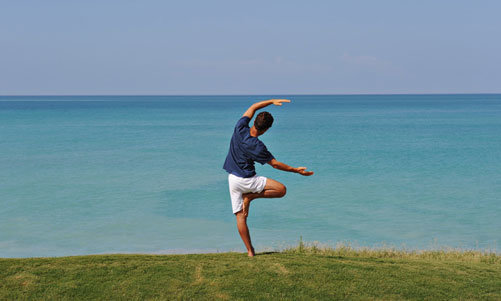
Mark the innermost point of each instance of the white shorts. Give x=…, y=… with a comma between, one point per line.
x=239, y=185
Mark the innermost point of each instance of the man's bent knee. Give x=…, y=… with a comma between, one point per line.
x=283, y=190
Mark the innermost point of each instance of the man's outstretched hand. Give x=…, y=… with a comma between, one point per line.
x=278, y=102
x=303, y=171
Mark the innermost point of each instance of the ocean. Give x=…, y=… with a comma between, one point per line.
x=143, y=174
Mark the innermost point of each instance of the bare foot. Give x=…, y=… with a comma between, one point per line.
x=251, y=252
x=246, y=205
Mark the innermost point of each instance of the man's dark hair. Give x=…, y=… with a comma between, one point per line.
x=263, y=121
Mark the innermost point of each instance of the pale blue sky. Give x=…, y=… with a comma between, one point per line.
x=249, y=47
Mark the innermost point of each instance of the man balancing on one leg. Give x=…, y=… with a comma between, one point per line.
x=245, y=148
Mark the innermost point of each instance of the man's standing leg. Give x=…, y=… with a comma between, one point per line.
x=244, y=232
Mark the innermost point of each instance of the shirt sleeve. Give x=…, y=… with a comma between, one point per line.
x=243, y=122
x=261, y=154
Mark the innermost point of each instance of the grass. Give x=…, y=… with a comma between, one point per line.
x=307, y=271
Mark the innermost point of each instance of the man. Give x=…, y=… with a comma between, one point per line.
x=245, y=149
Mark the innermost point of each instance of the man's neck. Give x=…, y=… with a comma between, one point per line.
x=253, y=132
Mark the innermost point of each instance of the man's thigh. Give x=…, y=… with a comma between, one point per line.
x=273, y=185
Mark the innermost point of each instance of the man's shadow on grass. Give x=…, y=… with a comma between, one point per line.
x=266, y=253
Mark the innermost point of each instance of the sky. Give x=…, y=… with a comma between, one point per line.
x=148, y=47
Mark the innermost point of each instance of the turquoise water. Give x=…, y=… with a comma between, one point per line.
x=87, y=175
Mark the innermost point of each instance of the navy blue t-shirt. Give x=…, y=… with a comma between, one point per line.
x=244, y=150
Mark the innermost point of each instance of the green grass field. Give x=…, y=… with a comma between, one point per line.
x=304, y=272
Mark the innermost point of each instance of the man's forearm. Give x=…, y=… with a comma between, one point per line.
x=282, y=166
x=262, y=104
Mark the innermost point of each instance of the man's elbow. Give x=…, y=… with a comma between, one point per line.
x=274, y=163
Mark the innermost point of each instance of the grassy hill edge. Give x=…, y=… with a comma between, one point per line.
x=302, y=272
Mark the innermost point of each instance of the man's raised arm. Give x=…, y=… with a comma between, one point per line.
x=282, y=166
x=259, y=105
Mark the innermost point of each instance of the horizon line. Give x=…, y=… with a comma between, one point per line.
x=270, y=94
